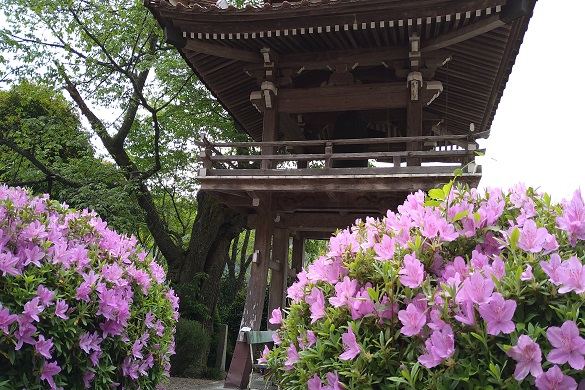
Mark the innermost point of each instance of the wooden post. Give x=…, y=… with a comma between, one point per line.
x=277, y=292
x=298, y=252
x=241, y=365
x=414, y=115
x=270, y=125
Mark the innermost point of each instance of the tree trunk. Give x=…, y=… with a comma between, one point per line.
x=214, y=228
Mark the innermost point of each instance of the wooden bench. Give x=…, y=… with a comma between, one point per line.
x=243, y=362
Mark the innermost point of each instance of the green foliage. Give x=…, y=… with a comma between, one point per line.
x=192, y=344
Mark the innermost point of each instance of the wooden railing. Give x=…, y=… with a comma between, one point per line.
x=289, y=156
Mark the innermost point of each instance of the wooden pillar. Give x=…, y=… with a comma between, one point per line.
x=241, y=365
x=271, y=121
x=414, y=114
x=278, y=272
x=298, y=252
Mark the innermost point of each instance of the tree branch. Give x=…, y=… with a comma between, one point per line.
x=38, y=164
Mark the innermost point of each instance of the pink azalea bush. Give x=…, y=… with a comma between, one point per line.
x=457, y=289
x=80, y=306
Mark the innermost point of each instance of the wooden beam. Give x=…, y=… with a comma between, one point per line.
x=361, y=57
x=222, y=51
x=341, y=98
x=462, y=34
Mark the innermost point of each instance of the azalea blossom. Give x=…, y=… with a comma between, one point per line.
x=293, y=356
x=413, y=272
x=532, y=238
x=385, y=249
x=554, y=379
x=573, y=218
x=528, y=357
x=572, y=276
x=413, y=319
x=344, y=290
x=440, y=345
x=478, y=288
x=498, y=313
x=552, y=268
x=569, y=346
x=350, y=345
x=276, y=317
x=466, y=313
x=49, y=371
x=316, y=301
x=315, y=383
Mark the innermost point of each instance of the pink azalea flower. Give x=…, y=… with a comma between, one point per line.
x=265, y=352
x=466, y=313
x=350, y=345
x=478, y=288
x=49, y=371
x=316, y=301
x=33, y=308
x=527, y=274
x=554, y=379
x=413, y=272
x=89, y=342
x=478, y=260
x=440, y=345
x=386, y=309
x=24, y=332
x=573, y=218
x=326, y=269
x=413, y=319
x=45, y=295
x=528, y=357
x=333, y=382
x=296, y=291
x=498, y=313
x=314, y=383
x=361, y=305
x=276, y=317
x=342, y=242
x=276, y=339
x=311, y=338
x=293, y=356
x=6, y=319
x=497, y=268
x=532, y=239
x=343, y=292
x=552, y=268
x=43, y=347
x=385, y=249
x=572, y=276
x=568, y=345
x=88, y=378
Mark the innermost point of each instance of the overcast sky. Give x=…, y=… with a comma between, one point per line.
x=538, y=135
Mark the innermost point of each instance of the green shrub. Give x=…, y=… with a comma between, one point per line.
x=192, y=343
x=80, y=306
x=458, y=290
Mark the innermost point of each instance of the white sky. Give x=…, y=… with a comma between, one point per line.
x=538, y=136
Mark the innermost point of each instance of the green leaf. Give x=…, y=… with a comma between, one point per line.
x=437, y=194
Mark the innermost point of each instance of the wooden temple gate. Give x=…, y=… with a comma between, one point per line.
x=352, y=104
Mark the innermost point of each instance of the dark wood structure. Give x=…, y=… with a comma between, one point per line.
x=423, y=76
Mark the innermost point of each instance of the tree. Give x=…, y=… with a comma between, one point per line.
x=146, y=108
x=43, y=146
